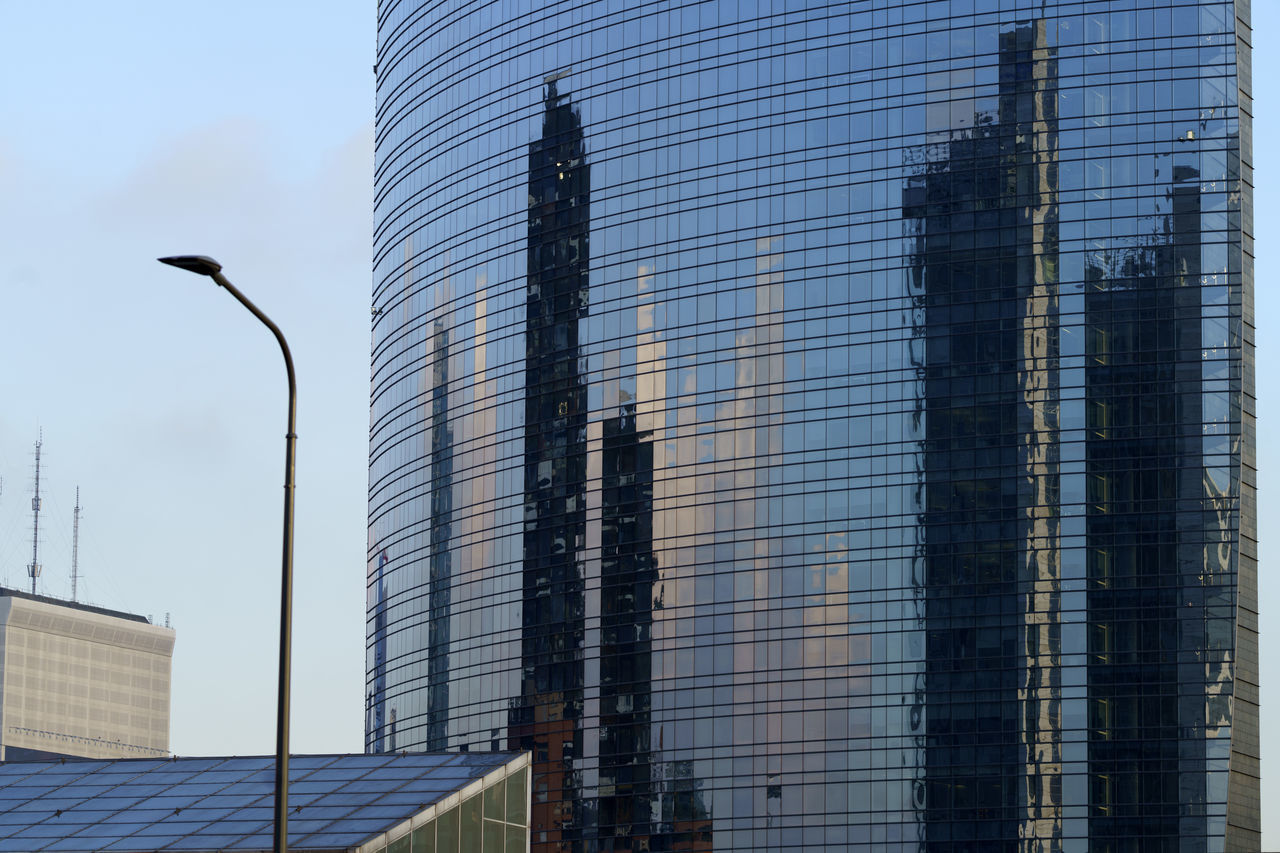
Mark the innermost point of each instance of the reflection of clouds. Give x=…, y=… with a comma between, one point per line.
x=223, y=187
x=179, y=430
x=23, y=276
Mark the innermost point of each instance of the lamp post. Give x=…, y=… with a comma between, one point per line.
x=208, y=266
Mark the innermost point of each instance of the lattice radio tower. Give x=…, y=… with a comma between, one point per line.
x=75, y=545
x=34, y=568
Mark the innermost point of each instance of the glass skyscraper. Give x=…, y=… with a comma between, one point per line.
x=821, y=426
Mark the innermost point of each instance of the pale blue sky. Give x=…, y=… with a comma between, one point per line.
x=244, y=130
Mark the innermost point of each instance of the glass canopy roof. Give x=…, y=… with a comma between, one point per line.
x=336, y=802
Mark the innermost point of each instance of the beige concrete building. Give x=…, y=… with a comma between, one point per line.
x=78, y=680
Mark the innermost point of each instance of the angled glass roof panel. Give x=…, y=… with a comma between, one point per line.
x=87, y=816
x=337, y=774
x=246, y=762
x=400, y=772
x=260, y=812
x=307, y=826
x=49, y=803
x=28, y=791
x=256, y=786
x=44, y=830
x=388, y=813
x=231, y=798
x=133, y=766
x=169, y=777
x=221, y=777
x=334, y=839
x=344, y=799
x=98, y=830
x=77, y=844
x=203, y=842
x=373, y=784
x=239, y=829
x=405, y=798
x=200, y=765
x=354, y=760
x=309, y=786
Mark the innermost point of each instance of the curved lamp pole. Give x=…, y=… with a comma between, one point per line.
x=208, y=266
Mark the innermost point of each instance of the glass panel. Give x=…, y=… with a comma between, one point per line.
x=517, y=797
x=469, y=834
x=447, y=832
x=424, y=838
x=495, y=800
x=493, y=836
x=517, y=839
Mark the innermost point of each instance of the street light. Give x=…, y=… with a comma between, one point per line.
x=208, y=266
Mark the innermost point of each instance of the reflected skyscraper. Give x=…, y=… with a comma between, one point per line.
x=987, y=353
x=547, y=717
x=827, y=427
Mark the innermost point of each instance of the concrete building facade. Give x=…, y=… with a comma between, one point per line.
x=78, y=680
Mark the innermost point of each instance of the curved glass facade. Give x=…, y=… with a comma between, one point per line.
x=820, y=426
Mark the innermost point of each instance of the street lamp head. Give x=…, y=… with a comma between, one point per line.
x=202, y=264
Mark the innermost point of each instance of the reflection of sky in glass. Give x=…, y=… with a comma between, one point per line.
x=910, y=355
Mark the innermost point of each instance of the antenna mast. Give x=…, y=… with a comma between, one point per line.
x=34, y=568
x=75, y=545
